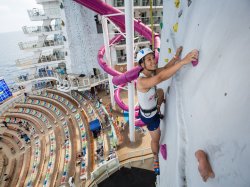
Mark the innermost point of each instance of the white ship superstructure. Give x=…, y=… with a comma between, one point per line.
x=141, y=12
x=51, y=61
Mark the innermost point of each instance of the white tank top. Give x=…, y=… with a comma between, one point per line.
x=147, y=100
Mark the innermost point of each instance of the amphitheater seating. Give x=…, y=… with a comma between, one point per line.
x=9, y=145
x=48, y=106
x=37, y=114
x=52, y=157
x=60, y=99
x=36, y=161
x=83, y=144
x=25, y=171
x=67, y=146
x=18, y=170
x=16, y=139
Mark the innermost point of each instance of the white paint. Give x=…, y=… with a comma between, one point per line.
x=208, y=105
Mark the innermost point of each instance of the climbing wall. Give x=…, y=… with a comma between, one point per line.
x=83, y=50
x=207, y=105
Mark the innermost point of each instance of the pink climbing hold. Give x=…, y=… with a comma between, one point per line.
x=163, y=150
x=195, y=62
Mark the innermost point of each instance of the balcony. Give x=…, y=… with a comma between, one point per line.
x=35, y=30
x=88, y=82
x=43, y=60
x=138, y=3
x=147, y=21
x=40, y=44
x=46, y=75
x=45, y=1
x=40, y=14
x=139, y=43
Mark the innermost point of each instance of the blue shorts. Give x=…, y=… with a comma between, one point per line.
x=152, y=123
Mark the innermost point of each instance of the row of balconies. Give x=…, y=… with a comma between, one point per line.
x=39, y=44
x=31, y=61
x=120, y=3
x=40, y=14
x=147, y=20
x=45, y=1
x=75, y=82
x=41, y=29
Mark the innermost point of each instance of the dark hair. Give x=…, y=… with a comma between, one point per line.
x=141, y=60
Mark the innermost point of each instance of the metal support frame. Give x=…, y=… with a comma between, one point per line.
x=108, y=57
x=129, y=23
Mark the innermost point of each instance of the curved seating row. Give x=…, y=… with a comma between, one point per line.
x=35, y=164
x=47, y=105
x=60, y=99
x=51, y=163
x=83, y=145
x=67, y=146
x=35, y=113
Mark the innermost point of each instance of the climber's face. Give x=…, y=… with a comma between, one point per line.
x=149, y=62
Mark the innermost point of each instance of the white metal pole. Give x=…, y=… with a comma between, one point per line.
x=108, y=57
x=129, y=23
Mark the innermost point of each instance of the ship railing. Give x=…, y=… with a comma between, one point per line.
x=146, y=20
x=41, y=29
x=43, y=59
x=109, y=167
x=40, y=14
x=43, y=1
x=90, y=81
x=10, y=103
x=46, y=74
x=39, y=44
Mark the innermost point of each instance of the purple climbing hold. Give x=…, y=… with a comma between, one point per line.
x=195, y=62
x=163, y=150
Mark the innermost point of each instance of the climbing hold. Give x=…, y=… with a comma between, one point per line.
x=158, y=49
x=161, y=25
x=189, y=2
x=175, y=27
x=166, y=60
x=163, y=150
x=195, y=62
x=169, y=50
x=180, y=13
x=177, y=3
x=167, y=40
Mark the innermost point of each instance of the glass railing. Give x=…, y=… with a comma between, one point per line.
x=43, y=59
x=120, y=3
x=90, y=81
x=41, y=29
x=147, y=21
x=39, y=14
x=43, y=74
x=39, y=44
x=43, y=1
x=155, y=3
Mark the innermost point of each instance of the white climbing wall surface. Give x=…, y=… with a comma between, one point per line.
x=84, y=41
x=208, y=106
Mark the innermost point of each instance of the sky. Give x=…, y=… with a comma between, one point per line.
x=14, y=15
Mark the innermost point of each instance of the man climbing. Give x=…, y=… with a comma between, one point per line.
x=149, y=97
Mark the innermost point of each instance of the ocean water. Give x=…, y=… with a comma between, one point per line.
x=10, y=52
